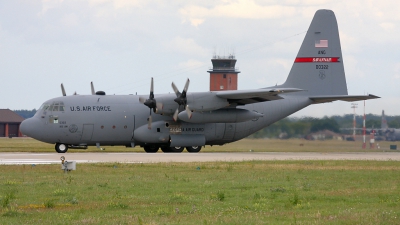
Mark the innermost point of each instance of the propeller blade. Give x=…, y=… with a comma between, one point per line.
x=92, y=87
x=142, y=100
x=175, y=89
x=188, y=111
x=63, y=90
x=186, y=85
x=176, y=115
x=159, y=106
x=149, y=123
x=151, y=89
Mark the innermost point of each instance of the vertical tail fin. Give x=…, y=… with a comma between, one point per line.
x=384, y=124
x=318, y=67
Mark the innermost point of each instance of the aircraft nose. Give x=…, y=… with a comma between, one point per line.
x=29, y=126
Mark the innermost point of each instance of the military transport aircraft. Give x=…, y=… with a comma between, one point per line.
x=188, y=120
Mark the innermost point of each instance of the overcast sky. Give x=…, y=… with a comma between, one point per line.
x=121, y=44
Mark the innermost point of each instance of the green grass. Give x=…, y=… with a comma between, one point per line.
x=244, y=145
x=253, y=192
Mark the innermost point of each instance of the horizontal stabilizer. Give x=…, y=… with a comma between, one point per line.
x=347, y=98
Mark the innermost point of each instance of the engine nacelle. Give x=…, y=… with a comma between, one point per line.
x=200, y=102
x=228, y=115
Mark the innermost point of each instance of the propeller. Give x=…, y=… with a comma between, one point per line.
x=65, y=94
x=150, y=102
x=92, y=87
x=63, y=90
x=181, y=99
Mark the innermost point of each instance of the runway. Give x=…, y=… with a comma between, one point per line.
x=53, y=158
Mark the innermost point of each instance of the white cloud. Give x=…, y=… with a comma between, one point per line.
x=70, y=20
x=196, y=22
x=350, y=42
x=286, y=64
x=49, y=4
x=190, y=63
x=118, y=4
x=244, y=9
x=307, y=2
x=388, y=26
x=352, y=67
x=396, y=75
x=187, y=46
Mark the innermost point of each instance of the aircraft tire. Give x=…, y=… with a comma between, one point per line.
x=151, y=148
x=177, y=149
x=166, y=149
x=193, y=149
x=61, y=148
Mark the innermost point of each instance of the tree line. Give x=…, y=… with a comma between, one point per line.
x=300, y=127
x=25, y=113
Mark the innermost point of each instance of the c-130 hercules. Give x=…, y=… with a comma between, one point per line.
x=192, y=120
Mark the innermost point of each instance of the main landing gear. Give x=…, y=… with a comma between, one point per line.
x=150, y=148
x=172, y=149
x=61, y=148
x=193, y=149
x=166, y=149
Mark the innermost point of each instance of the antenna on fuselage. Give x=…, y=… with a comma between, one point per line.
x=92, y=86
x=63, y=90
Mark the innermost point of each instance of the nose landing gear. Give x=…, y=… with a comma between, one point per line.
x=61, y=148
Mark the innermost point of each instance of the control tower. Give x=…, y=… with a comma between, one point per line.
x=223, y=74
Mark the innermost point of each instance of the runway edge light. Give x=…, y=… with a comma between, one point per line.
x=67, y=165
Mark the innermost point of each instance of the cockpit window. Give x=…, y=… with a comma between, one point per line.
x=44, y=106
x=54, y=106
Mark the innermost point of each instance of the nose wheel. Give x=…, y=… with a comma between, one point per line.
x=61, y=148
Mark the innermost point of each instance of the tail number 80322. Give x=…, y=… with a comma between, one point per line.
x=321, y=67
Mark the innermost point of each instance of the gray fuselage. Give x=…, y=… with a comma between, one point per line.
x=117, y=120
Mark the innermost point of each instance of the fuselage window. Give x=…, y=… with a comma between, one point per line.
x=53, y=119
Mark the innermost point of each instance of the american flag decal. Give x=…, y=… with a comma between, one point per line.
x=321, y=43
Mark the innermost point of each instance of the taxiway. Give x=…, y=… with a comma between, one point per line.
x=49, y=158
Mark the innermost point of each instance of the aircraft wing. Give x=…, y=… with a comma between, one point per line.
x=243, y=97
x=347, y=98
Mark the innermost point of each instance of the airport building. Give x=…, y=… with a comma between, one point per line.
x=9, y=123
x=223, y=74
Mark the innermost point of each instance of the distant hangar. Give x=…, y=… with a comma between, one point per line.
x=9, y=123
